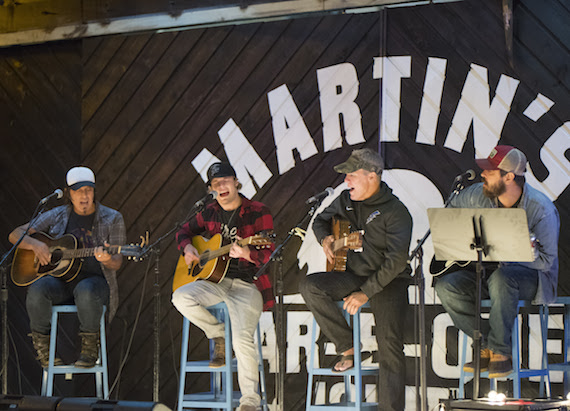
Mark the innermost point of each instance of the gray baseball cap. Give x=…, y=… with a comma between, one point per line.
x=365, y=159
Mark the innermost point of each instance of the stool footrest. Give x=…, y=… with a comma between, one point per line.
x=345, y=406
x=204, y=366
x=353, y=371
x=70, y=369
x=522, y=373
x=562, y=366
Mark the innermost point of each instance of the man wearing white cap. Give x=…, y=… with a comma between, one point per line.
x=95, y=285
x=504, y=186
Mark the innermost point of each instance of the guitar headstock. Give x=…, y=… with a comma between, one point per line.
x=132, y=252
x=136, y=252
x=261, y=239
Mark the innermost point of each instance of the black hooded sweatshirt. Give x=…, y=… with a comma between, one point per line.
x=387, y=226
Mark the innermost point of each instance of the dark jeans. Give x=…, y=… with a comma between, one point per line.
x=505, y=287
x=390, y=306
x=89, y=295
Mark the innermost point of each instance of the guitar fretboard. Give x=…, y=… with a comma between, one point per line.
x=226, y=248
x=88, y=252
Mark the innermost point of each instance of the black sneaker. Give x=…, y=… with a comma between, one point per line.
x=219, y=358
x=485, y=359
x=501, y=366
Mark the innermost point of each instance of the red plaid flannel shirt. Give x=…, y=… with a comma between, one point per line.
x=254, y=217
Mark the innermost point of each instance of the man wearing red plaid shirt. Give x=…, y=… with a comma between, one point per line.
x=234, y=217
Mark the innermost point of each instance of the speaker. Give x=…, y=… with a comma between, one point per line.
x=95, y=404
x=36, y=403
x=507, y=405
x=28, y=403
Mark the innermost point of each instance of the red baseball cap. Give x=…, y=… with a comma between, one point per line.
x=506, y=158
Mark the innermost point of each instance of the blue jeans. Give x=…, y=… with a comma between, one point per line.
x=89, y=295
x=390, y=309
x=504, y=287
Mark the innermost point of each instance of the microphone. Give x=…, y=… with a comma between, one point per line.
x=58, y=193
x=318, y=197
x=469, y=175
x=212, y=195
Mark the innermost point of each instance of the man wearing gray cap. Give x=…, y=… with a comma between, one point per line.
x=504, y=186
x=94, y=285
x=379, y=274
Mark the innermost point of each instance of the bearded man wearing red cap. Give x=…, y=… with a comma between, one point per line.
x=95, y=284
x=504, y=186
x=234, y=217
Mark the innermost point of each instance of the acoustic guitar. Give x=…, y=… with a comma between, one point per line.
x=440, y=267
x=213, y=259
x=344, y=241
x=66, y=258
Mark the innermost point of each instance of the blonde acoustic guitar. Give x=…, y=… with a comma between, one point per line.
x=213, y=259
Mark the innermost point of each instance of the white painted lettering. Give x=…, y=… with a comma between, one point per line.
x=431, y=101
x=552, y=155
x=474, y=108
x=203, y=161
x=289, y=129
x=244, y=159
x=338, y=87
x=391, y=70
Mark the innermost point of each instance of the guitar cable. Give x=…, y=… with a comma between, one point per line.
x=125, y=356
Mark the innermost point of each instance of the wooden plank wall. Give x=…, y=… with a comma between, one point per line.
x=146, y=105
x=40, y=139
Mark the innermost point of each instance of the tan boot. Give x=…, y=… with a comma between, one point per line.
x=485, y=358
x=500, y=365
x=89, y=350
x=41, y=345
x=219, y=358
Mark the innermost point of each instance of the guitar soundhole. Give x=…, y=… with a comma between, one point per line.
x=56, y=256
x=204, y=258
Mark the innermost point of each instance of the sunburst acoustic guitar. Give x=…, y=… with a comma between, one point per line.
x=66, y=258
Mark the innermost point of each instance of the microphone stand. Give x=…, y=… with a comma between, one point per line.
x=4, y=298
x=419, y=280
x=280, y=306
x=155, y=249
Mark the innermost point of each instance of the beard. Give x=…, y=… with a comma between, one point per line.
x=494, y=191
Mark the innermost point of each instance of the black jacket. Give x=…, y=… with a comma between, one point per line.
x=387, y=226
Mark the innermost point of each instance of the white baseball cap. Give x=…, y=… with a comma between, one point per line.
x=78, y=177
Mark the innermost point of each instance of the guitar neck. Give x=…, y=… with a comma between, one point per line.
x=88, y=252
x=226, y=248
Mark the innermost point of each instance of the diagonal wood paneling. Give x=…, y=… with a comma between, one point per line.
x=40, y=109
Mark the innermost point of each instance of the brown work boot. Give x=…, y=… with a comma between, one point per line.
x=485, y=358
x=500, y=365
x=89, y=350
x=219, y=358
x=41, y=345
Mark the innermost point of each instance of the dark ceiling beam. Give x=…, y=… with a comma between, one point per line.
x=39, y=21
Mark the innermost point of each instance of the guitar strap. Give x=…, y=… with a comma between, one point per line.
x=229, y=234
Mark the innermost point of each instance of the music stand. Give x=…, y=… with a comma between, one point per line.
x=480, y=234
